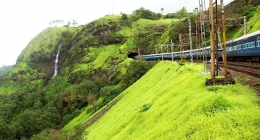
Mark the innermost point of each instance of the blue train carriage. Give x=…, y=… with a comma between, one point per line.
x=247, y=47
x=168, y=56
x=197, y=54
x=230, y=50
x=207, y=51
x=152, y=57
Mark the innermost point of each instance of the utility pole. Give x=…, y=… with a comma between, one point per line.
x=203, y=32
x=139, y=53
x=161, y=52
x=197, y=32
x=215, y=42
x=180, y=42
x=245, y=22
x=172, y=48
x=190, y=37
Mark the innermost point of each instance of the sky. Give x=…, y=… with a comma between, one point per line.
x=22, y=20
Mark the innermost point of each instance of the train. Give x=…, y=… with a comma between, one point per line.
x=244, y=48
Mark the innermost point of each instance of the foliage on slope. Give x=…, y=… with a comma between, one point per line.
x=164, y=104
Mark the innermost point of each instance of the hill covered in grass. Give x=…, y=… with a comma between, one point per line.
x=172, y=102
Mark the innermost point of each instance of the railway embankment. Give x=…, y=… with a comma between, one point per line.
x=172, y=102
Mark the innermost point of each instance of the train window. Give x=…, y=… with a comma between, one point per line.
x=252, y=44
x=248, y=45
x=258, y=43
x=244, y=46
x=239, y=47
x=229, y=49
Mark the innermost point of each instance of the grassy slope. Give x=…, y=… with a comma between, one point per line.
x=164, y=104
x=109, y=50
x=101, y=52
x=253, y=25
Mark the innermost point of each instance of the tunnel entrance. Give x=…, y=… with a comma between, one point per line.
x=132, y=55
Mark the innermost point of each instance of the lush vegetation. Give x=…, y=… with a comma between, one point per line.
x=93, y=71
x=165, y=104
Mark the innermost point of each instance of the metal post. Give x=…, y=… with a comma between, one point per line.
x=203, y=34
x=215, y=41
x=161, y=52
x=180, y=43
x=224, y=54
x=197, y=33
x=139, y=53
x=190, y=37
x=245, y=22
x=172, y=50
x=212, y=41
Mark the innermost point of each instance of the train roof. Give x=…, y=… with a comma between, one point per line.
x=248, y=35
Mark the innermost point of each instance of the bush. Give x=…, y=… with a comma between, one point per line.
x=144, y=13
x=109, y=93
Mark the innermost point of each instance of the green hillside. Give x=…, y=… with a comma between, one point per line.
x=172, y=102
x=94, y=68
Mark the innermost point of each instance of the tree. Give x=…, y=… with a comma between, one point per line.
x=162, y=11
x=5, y=131
x=124, y=16
x=183, y=13
x=108, y=93
x=144, y=13
x=91, y=99
x=72, y=23
x=171, y=15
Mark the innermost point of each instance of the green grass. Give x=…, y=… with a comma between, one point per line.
x=104, y=54
x=253, y=24
x=172, y=102
x=146, y=22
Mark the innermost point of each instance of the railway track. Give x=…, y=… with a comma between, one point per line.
x=245, y=67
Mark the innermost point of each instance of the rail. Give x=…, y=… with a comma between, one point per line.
x=249, y=68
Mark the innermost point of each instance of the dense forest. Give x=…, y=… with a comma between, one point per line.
x=93, y=67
